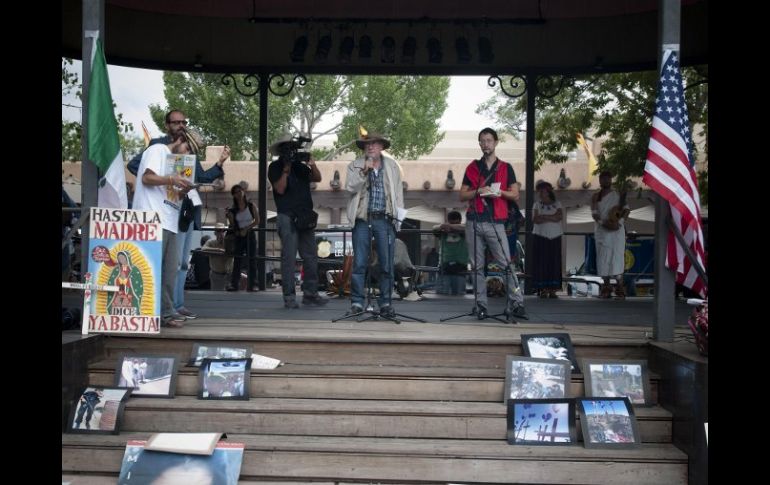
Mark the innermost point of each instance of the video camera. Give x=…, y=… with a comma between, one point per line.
x=295, y=150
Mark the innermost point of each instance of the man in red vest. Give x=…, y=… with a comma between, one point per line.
x=489, y=184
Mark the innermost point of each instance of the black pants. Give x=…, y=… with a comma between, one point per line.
x=245, y=248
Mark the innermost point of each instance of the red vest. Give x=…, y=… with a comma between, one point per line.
x=499, y=204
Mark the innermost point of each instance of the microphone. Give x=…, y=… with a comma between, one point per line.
x=367, y=159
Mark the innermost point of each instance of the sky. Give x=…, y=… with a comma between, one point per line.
x=133, y=90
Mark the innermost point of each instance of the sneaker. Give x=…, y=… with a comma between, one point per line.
x=253, y=288
x=355, y=308
x=519, y=312
x=187, y=313
x=291, y=304
x=316, y=299
x=173, y=321
x=387, y=311
x=481, y=311
x=231, y=288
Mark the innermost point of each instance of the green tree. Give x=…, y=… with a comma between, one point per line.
x=222, y=115
x=405, y=108
x=617, y=107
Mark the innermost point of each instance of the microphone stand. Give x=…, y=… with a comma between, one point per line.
x=368, y=307
x=475, y=310
x=508, y=312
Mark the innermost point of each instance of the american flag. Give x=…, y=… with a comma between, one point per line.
x=669, y=172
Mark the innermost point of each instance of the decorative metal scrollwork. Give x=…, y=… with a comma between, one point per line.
x=250, y=88
x=548, y=86
x=517, y=85
x=279, y=86
x=545, y=85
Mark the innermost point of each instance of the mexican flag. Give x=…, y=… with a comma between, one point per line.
x=103, y=141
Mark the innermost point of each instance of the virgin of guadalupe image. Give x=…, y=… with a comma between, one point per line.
x=127, y=300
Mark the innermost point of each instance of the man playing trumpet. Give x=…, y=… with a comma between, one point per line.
x=609, y=210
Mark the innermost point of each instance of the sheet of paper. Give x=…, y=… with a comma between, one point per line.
x=195, y=197
x=262, y=362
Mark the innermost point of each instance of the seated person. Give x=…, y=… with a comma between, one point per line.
x=220, y=265
x=454, y=255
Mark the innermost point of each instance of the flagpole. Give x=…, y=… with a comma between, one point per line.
x=93, y=24
x=669, y=20
x=686, y=247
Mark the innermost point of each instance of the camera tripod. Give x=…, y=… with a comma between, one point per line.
x=368, y=305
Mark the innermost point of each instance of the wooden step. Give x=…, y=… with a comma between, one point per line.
x=408, y=344
x=362, y=382
x=329, y=417
x=310, y=458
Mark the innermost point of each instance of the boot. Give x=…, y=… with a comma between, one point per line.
x=620, y=291
x=605, y=291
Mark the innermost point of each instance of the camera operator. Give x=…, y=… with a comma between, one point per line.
x=290, y=177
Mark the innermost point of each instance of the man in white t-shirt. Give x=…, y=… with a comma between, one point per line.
x=151, y=194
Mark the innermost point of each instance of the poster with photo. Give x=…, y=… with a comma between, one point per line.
x=125, y=253
x=140, y=466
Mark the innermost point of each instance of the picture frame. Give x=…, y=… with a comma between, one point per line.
x=541, y=422
x=550, y=346
x=98, y=410
x=147, y=375
x=201, y=351
x=224, y=379
x=618, y=378
x=608, y=422
x=535, y=378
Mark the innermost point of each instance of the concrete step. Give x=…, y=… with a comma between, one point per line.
x=364, y=460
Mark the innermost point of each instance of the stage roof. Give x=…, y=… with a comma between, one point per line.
x=240, y=36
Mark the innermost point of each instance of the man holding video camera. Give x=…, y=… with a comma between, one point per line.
x=290, y=177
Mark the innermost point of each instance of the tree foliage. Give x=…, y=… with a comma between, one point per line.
x=222, y=115
x=615, y=107
x=406, y=108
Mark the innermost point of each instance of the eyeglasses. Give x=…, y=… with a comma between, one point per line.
x=176, y=122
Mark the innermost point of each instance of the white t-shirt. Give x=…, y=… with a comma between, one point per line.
x=548, y=230
x=153, y=197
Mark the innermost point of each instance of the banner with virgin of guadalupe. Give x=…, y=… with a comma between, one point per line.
x=125, y=252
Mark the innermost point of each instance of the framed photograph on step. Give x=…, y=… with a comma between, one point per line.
x=224, y=379
x=550, y=346
x=533, y=378
x=618, y=378
x=541, y=422
x=608, y=422
x=98, y=410
x=147, y=375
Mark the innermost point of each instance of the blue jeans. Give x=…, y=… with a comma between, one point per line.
x=183, y=243
x=384, y=239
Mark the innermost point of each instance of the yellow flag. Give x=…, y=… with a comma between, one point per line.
x=146, y=135
x=592, y=163
x=362, y=131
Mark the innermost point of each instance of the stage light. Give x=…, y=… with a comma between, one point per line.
x=408, y=50
x=434, y=51
x=388, y=50
x=365, y=47
x=323, y=48
x=300, y=46
x=463, y=51
x=486, y=56
x=346, y=49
